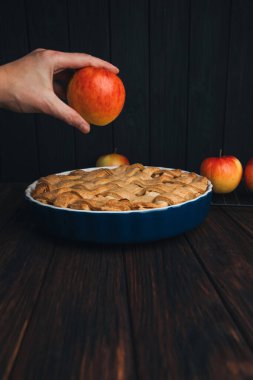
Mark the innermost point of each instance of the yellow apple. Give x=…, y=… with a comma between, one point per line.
x=225, y=173
x=112, y=159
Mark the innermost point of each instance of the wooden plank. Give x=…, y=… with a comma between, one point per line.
x=80, y=328
x=181, y=329
x=18, y=156
x=169, y=59
x=11, y=199
x=209, y=43
x=24, y=259
x=242, y=216
x=50, y=30
x=239, y=116
x=225, y=251
x=129, y=51
x=89, y=33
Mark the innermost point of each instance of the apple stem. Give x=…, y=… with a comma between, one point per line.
x=115, y=150
x=220, y=152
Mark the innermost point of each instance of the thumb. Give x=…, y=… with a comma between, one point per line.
x=62, y=111
x=62, y=60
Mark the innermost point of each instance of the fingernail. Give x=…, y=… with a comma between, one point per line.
x=115, y=68
x=85, y=128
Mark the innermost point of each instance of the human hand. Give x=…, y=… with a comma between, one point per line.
x=30, y=84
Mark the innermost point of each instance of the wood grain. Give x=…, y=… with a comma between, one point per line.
x=24, y=259
x=179, y=308
x=242, y=216
x=11, y=200
x=129, y=51
x=18, y=143
x=186, y=66
x=180, y=327
x=239, y=114
x=225, y=252
x=56, y=148
x=89, y=25
x=80, y=328
x=169, y=60
x=209, y=44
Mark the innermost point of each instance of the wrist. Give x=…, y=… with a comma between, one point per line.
x=4, y=87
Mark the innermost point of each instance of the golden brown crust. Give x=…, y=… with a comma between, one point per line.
x=127, y=187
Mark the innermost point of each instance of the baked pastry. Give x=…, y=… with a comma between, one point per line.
x=127, y=187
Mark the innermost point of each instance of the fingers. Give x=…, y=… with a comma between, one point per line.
x=60, y=110
x=78, y=60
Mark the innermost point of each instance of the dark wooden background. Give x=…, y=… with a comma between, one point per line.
x=187, y=66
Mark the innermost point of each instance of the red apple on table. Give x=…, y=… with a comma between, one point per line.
x=248, y=174
x=112, y=159
x=224, y=172
x=97, y=94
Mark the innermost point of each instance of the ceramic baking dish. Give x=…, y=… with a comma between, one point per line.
x=120, y=226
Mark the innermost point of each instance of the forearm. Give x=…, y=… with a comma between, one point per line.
x=4, y=93
x=15, y=93
x=3, y=86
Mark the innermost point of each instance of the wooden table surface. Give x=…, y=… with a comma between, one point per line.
x=175, y=309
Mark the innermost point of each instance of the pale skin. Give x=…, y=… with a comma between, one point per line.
x=36, y=83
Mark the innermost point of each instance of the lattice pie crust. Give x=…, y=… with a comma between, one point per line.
x=127, y=187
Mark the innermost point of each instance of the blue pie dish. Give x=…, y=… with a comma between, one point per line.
x=120, y=226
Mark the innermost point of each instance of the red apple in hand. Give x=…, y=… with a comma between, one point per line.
x=97, y=94
x=248, y=174
x=225, y=172
x=112, y=159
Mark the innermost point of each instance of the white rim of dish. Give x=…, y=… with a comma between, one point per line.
x=32, y=186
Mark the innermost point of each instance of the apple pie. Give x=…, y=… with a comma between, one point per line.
x=126, y=187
